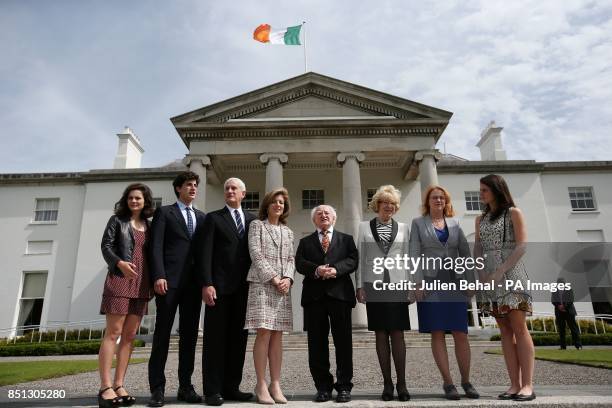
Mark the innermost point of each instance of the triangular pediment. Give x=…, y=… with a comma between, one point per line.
x=310, y=96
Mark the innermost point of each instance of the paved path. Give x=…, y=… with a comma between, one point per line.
x=586, y=385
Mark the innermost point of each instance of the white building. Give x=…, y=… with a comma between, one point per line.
x=326, y=140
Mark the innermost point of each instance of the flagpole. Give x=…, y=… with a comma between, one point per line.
x=305, y=65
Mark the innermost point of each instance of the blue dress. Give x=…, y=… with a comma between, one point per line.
x=443, y=310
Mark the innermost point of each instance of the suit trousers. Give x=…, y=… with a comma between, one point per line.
x=565, y=317
x=318, y=317
x=225, y=342
x=188, y=300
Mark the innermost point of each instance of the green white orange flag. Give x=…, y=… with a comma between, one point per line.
x=285, y=36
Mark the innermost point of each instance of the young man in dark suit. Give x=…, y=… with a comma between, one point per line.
x=174, y=230
x=565, y=313
x=223, y=263
x=326, y=258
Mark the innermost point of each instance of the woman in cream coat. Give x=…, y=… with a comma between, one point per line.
x=380, y=238
x=269, y=302
x=436, y=235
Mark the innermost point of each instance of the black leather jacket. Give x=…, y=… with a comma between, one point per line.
x=118, y=243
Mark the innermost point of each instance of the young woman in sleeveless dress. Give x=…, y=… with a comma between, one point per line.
x=501, y=238
x=126, y=289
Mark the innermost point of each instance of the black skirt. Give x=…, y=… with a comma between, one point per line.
x=388, y=316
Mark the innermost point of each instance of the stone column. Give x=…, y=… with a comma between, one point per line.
x=426, y=160
x=274, y=169
x=353, y=210
x=199, y=165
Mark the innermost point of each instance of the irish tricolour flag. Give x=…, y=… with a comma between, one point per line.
x=285, y=36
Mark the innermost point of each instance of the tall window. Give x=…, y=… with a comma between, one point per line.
x=312, y=198
x=472, y=201
x=157, y=202
x=582, y=198
x=32, y=298
x=369, y=194
x=46, y=209
x=39, y=247
x=250, y=200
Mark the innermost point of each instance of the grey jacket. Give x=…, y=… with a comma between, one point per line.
x=424, y=241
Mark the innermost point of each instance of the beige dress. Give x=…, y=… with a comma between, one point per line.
x=497, y=240
x=271, y=250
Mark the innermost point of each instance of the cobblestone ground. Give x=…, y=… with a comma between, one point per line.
x=487, y=370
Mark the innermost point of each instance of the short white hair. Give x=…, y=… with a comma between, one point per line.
x=331, y=210
x=236, y=180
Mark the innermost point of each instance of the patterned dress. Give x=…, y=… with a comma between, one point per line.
x=125, y=296
x=271, y=250
x=497, y=240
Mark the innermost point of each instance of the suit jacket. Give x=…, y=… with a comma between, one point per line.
x=424, y=241
x=271, y=253
x=171, y=248
x=223, y=259
x=370, y=247
x=565, y=298
x=341, y=254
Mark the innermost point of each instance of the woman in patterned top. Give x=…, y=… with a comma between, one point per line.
x=383, y=237
x=269, y=301
x=501, y=237
x=126, y=290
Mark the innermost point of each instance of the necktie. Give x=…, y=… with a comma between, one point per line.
x=189, y=221
x=325, y=241
x=239, y=223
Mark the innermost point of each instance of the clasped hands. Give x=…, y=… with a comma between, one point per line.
x=326, y=272
x=282, y=284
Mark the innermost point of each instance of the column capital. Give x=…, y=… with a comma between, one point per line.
x=342, y=156
x=194, y=158
x=266, y=157
x=421, y=154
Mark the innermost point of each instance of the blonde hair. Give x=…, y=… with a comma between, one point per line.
x=388, y=193
x=449, y=211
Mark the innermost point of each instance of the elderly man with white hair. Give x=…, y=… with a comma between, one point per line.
x=326, y=258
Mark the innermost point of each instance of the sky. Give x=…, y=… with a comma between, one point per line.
x=74, y=73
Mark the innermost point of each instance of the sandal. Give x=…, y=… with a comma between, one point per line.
x=107, y=403
x=125, y=400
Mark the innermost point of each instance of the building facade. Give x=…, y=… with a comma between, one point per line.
x=326, y=141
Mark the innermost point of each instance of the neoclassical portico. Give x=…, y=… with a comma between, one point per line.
x=313, y=132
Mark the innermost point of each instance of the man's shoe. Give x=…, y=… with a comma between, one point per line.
x=343, y=396
x=237, y=395
x=157, y=398
x=188, y=394
x=322, y=396
x=562, y=348
x=214, y=399
x=524, y=397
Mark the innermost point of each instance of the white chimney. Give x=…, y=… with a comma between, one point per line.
x=490, y=143
x=129, y=150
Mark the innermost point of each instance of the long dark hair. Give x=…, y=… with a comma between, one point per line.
x=503, y=198
x=123, y=210
x=269, y=198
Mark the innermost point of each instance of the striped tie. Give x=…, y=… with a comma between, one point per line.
x=239, y=223
x=325, y=241
x=189, y=221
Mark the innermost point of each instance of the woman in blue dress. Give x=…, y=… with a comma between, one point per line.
x=436, y=235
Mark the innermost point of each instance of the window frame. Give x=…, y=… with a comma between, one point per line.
x=309, y=199
x=584, y=199
x=37, y=211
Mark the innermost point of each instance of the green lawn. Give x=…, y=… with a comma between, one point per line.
x=24, y=371
x=600, y=357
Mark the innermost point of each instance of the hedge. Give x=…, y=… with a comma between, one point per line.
x=54, y=348
x=552, y=339
x=77, y=334
x=586, y=326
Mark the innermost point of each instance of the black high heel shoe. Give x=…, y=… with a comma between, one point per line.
x=107, y=403
x=125, y=400
x=387, y=394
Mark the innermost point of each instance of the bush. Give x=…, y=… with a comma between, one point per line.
x=552, y=339
x=71, y=335
x=54, y=348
